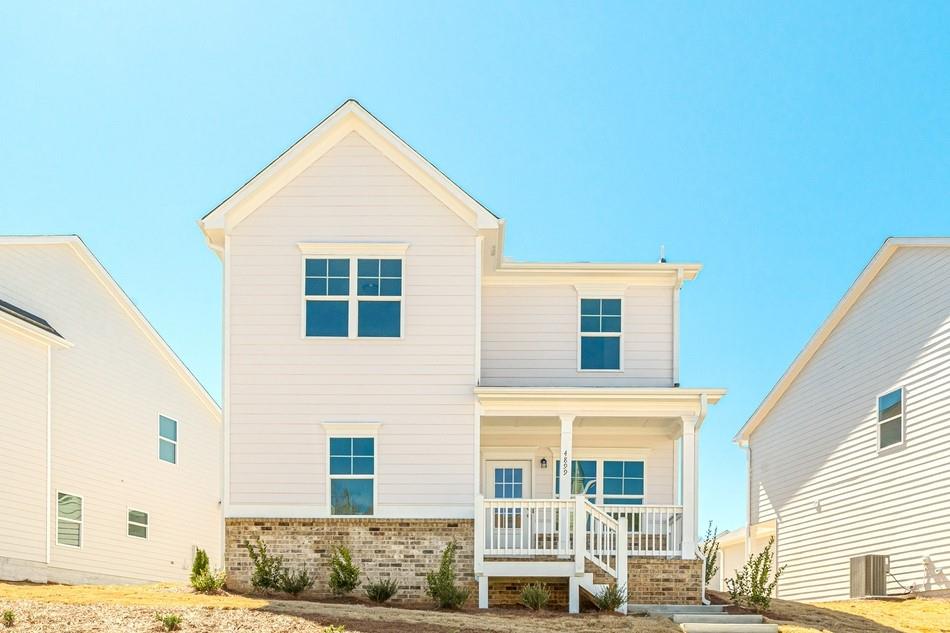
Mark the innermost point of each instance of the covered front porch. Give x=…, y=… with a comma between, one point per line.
x=577, y=481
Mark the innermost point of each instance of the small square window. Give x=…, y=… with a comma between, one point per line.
x=138, y=524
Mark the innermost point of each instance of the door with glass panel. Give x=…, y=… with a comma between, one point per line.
x=508, y=480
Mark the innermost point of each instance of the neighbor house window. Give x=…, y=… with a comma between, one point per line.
x=367, y=305
x=352, y=475
x=138, y=524
x=68, y=519
x=600, y=330
x=890, y=418
x=167, y=440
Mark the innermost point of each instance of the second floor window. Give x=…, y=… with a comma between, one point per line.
x=365, y=305
x=167, y=440
x=600, y=332
x=890, y=419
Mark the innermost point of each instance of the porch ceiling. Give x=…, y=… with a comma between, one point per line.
x=620, y=402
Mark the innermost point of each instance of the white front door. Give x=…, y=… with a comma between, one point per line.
x=509, y=479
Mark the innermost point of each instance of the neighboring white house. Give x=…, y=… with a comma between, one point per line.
x=393, y=382
x=111, y=451
x=849, y=454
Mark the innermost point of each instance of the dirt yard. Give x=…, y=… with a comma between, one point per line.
x=50, y=608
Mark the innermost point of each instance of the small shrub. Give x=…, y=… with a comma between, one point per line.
x=200, y=564
x=344, y=575
x=382, y=590
x=754, y=584
x=440, y=585
x=267, y=568
x=209, y=581
x=334, y=628
x=611, y=598
x=710, y=550
x=9, y=619
x=535, y=596
x=170, y=621
x=293, y=582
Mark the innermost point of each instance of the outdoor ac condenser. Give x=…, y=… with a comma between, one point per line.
x=869, y=575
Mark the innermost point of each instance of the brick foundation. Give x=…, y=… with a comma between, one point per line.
x=404, y=549
x=506, y=592
x=664, y=580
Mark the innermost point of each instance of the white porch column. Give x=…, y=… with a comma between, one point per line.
x=567, y=440
x=690, y=461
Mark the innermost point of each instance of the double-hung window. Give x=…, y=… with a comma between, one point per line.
x=339, y=303
x=600, y=334
x=138, y=524
x=352, y=475
x=890, y=419
x=167, y=439
x=68, y=519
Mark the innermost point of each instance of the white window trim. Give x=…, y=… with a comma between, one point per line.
x=129, y=522
x=352, y=252
x=175, y=442
x=82, y=513
x=880, y=423
x=352, y=429
x=584, y=292
x=601, y=456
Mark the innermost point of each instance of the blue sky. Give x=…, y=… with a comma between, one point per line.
x=777, y=143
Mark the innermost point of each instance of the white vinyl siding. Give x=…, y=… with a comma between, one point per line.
x=419, y=387
x=816, y=467
x=107, y=392
x=530, y=338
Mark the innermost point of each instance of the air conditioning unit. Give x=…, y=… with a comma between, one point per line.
x=869, y=575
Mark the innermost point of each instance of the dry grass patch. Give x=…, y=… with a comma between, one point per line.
x=165, y=595
x=923, y=615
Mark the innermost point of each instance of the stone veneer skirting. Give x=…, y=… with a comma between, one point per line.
x=404, y=549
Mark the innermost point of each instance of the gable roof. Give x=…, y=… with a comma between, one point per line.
x=102, y=275
x=349, y=117
x=870, y=272
x=28, y=317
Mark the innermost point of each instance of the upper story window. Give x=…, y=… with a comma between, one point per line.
x=365, y=305
x=600, y=334
x=68, y=519
x=352, y=475
x=890, y=419
x=167, y=440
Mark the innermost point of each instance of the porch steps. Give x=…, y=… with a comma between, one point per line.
x=728, y=628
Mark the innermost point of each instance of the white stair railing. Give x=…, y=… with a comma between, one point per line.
x=604, y=542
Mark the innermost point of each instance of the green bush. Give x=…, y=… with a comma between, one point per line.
x=710, y=550
x=267, y=568
x=209, y=581
x=440, y=585
x=344, y=575
x=535, y=596
x=293, y=582
x=200, y=564
x=382, y=590
x=170, y=621
x=754, y=584
x=611, y=598
x=9, y=619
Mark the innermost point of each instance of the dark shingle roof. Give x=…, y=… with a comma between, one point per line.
x=28, y=317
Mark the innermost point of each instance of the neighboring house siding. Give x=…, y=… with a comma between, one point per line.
x=23, y=398
x=419, y=388
x=818, y=445
x=107, y=393
x=529, y=338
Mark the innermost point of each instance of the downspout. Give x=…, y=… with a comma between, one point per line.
x=49, y=447
x=676, y=326
x=703, y=409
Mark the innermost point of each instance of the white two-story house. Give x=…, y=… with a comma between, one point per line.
x=111, y=449
x=849, y=454
x=392, y=382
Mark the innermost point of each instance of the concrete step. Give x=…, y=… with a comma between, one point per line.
x=669, y=609
x=717, y=618
x=729, y=628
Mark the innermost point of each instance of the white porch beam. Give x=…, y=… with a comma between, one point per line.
x=690, y=488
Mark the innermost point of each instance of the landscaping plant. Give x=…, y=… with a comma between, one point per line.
x=611, y=598
x=344, y=575
x=200, y=564
x=710, y=550
x=440, y=585
x=754, y=584
x=8, y=618
x=382, y=590
x=170, y=621
x=267, y=568
x=293, y=582
x=334, y=628
x=535, y=596
x=209, y=582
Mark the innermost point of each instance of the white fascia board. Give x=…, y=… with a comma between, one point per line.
x=39, y=335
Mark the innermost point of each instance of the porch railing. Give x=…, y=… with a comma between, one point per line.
x=604, y=546
x=526, y=527
x=655, y=530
